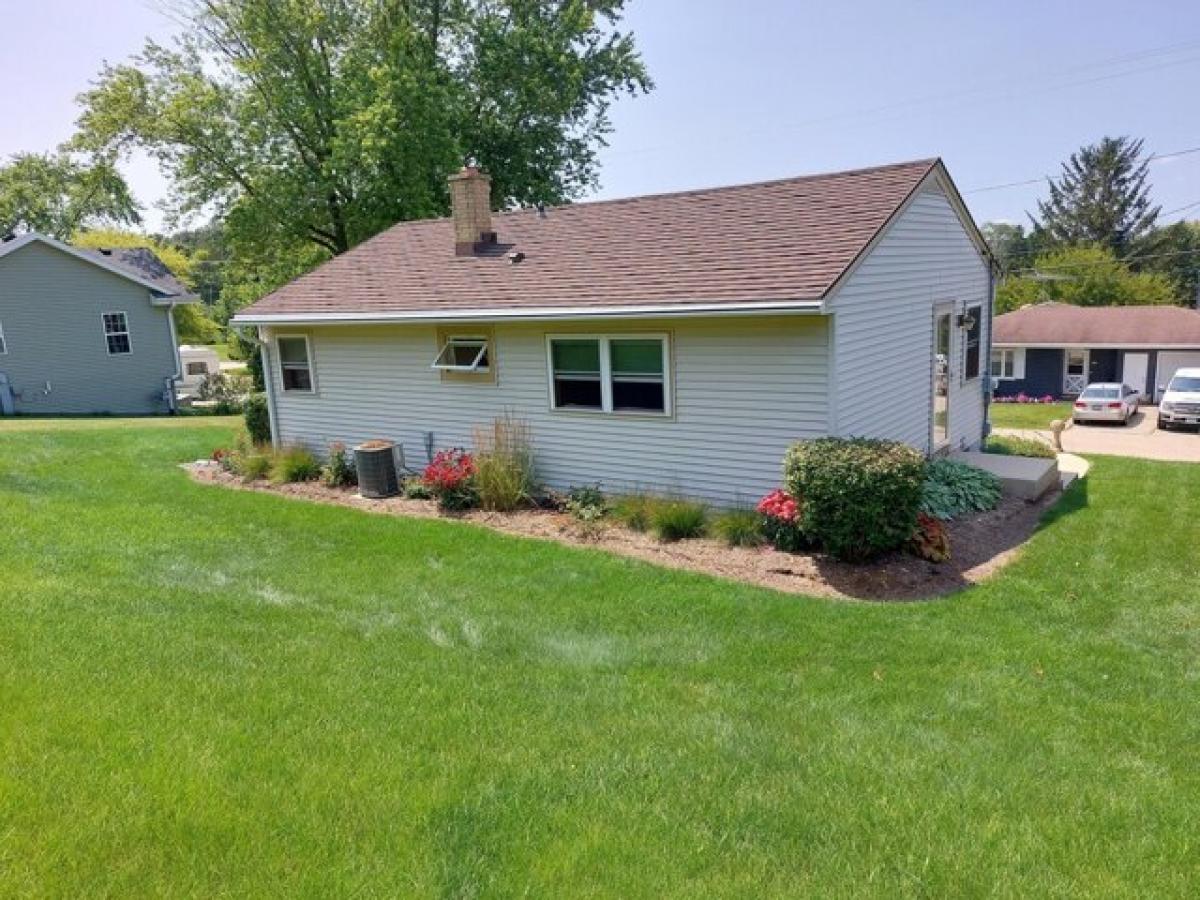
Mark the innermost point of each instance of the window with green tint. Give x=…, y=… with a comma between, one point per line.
x=576, y=356
x=637, y=357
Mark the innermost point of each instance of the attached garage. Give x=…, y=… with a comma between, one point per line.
x=1057, y=349
x=1168, y=362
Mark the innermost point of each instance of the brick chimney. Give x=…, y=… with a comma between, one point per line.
x=471, y=203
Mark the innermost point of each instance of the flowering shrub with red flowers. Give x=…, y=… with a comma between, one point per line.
x=450, y=479
x=780, y=513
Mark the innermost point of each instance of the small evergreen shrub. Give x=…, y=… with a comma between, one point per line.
x=952, y=489
x=503, y=465
x=292, y=464
x=739, y=528
x=340, y=470
x=258, y=419
x=677, y=520
x=860, y=495
x=634, y=511
x=1010, y=445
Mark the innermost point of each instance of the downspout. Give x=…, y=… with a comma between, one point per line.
x=264, y=349
x=986, y=359
x=172, y=406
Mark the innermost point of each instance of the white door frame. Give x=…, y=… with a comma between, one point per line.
x=1087, y=361
x=940, y=310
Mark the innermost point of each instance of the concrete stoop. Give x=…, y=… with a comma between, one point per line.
x=1020, y=476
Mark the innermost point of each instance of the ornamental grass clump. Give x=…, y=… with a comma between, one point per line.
x=676, y=520
x=339, y=470
x=953, y=489
x=634, y=511
x=861, y=496
x=739, y=528
x=292, y=464
x=504, y=478
x=450, y=477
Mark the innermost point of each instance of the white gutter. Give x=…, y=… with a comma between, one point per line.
x=545, y=313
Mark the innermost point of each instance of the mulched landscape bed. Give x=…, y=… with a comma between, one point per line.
x=980, y=544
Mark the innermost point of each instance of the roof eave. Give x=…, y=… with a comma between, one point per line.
x=540, y=314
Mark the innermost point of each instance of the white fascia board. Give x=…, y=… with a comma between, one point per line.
x=535, y=314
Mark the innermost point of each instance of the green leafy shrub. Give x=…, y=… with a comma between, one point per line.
x=293, y=464
x=416, y=489
x=930, y=540
x=503, y=465
x=953, y=488
x=676, y=520
x=586, y=503
x=739, y=528
x=634, y=511
x=339, y=470
x=258, y=419
x=860, y=496
x=1010, y=445
x=246, y=459
x=450, y=478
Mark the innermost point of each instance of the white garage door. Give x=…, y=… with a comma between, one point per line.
x=1169, y=361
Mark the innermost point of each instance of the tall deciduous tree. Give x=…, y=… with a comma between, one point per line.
x=310, y=125
x=55, y=194
x=1083, y=276
x=1101, y=197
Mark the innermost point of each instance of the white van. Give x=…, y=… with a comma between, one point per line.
x=1180, y=404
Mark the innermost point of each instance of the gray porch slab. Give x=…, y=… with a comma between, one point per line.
x=1020, y=476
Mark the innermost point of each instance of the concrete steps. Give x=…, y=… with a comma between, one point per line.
x=1020, y=476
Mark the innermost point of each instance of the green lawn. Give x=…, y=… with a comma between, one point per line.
x=209, y=693
x=1027, y=415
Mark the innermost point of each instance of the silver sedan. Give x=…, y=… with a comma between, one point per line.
x=1106, y=402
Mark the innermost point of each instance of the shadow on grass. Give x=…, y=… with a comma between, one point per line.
x=980, y=545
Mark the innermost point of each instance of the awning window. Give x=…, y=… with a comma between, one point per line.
x=463, y=354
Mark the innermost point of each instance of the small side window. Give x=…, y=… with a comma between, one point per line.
x=116, y=333
x=295, y=366
x=197, y=368
x=463, y=354
x=3, y=343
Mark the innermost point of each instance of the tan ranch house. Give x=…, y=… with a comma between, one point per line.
x=672, y=343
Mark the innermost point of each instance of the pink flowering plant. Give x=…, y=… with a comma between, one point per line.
x=780, y=513
x=450, y=478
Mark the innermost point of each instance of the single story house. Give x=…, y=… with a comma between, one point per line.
x=673, y=343
x=1058, y=349
x=86, y=331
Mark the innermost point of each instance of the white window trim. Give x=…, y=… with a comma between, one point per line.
x=4, y=341
x=464, y=340
x=606, y=394
x=107, y=334
x=1018, y=363
x=308, y=355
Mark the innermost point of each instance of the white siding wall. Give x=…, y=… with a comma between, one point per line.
x=744, y=389
x=883, y=326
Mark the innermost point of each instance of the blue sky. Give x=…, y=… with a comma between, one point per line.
x=768, y=88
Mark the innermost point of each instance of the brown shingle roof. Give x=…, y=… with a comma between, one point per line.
x=785, y=240
x=1056, y=324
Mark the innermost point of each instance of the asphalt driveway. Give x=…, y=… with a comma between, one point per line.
x=1141, y=439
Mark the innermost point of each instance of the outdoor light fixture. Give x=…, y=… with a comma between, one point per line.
x=966, y=321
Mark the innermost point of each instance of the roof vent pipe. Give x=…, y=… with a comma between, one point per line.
x=471, y=205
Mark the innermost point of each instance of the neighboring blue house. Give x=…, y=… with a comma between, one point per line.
x=86, y=331
x=1057, y=349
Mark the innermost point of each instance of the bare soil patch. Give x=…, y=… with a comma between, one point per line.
x=980, y=544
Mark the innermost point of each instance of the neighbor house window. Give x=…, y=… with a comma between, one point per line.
x=3, y=343
x=197, y=368
x=974, y=333
x=1006, y=364
x=116, y=333
x=612, y=374
x=295, y=365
